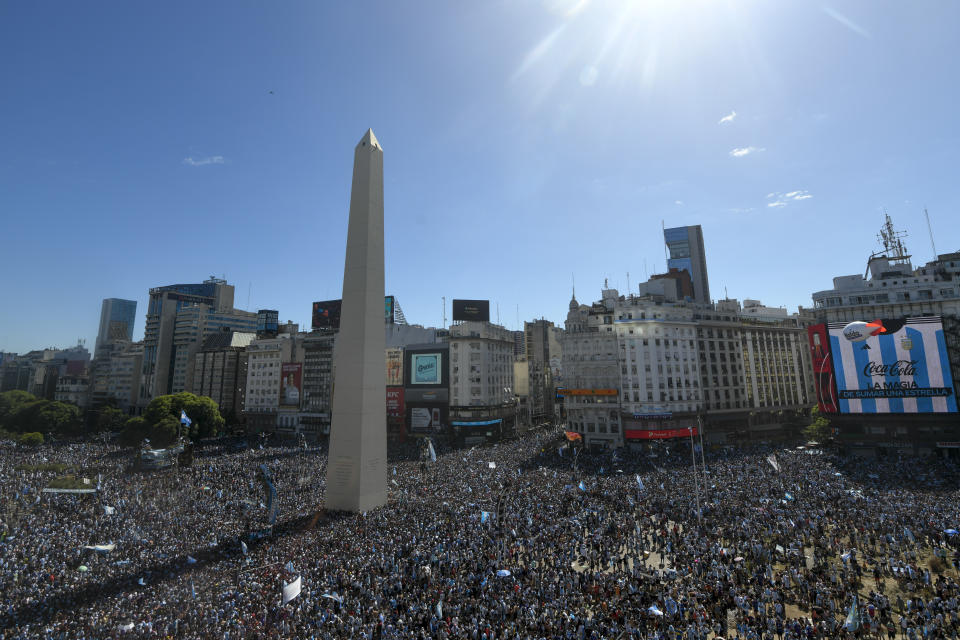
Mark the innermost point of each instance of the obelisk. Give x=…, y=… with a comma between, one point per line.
x=357, y=466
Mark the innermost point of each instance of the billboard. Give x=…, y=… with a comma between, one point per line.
x=819, y=341
x=395, y=402
x=427, y=419
x=326, y=314
x=892, y=366
x=394, y=367
x=659, y=434
x=425, y=368
x=291, y=375
x=471, y=310
x=388, y=309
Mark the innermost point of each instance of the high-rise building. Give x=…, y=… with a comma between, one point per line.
x=542, y=349
x=482, y=397
x=179, y=318
x=685, y=245
x=220, y=370
x=117, y=317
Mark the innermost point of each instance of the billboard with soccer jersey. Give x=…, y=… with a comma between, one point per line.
x=892, y=366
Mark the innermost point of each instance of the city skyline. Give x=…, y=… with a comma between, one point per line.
x=136, y=163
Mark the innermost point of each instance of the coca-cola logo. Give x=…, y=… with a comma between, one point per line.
x=884, y=370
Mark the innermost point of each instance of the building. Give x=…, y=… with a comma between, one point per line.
x=909, y=302
x=894, y=288
x=542, y=349
x=73, y=389
x=317, y=403
x=634, y=366
x=274, y=384
x=115, y=375
x=192, y=326
x=220, y=371
x=685, y=246
x=482, y=399
x=117, y=317
x=179, y=318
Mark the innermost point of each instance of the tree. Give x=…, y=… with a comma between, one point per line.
x=110, y=419
x=203, y=412
x=134, y=432
x=32, y=439
x=819, y=428
x=13, y=401
x=46, y=416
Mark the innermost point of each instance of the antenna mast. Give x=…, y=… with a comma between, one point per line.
x=930, y=229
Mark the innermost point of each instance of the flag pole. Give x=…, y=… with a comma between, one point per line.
x=696, y=484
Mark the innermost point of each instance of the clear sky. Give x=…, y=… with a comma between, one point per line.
x=145, y=144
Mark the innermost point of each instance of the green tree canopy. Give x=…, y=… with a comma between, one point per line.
x=13, y=401
x=110, y=419
x=819, y=427
x=46, y=416
x=31, y=439
x=202, y=411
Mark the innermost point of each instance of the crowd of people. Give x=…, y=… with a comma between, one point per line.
x=526, y=539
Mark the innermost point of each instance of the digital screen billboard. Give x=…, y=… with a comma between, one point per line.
x=326, y=314
x=892, y=366
x=290, y=383
x=819, y=341
x=427, y=419
x=471, y=310
x=425, y=368
x=388, y=309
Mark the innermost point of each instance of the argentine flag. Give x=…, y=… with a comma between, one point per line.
x=184, y=420
x=582, y=486
x=852, y=623
x=484, y=516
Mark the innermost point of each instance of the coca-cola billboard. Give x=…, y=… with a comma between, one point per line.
x=905, y=369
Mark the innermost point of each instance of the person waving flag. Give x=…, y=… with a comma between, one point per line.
x=184, y=420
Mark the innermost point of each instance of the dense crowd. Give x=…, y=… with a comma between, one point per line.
x=525, y=539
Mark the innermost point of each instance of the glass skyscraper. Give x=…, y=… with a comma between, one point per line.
x=116, y=321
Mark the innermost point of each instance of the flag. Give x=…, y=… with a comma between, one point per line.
x=492, y=465
x=639, y=482
x=243, y=547
x=582, y=486
x=109, y=510
x=193, y=591
x=573, y=436
x=772, y=459
x=191, y=560
x=484, y=516
x=290, y=591
x=433, y=453
x=141, y=582
x=184, y=420
x=852, y=623
x=289, y=567
x=439, y=610
x=788, y=496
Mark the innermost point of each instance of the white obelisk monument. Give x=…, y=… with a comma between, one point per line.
x=357, y=466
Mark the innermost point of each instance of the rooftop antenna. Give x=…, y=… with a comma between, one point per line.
x=930, y=230
x=573, y=282
x=628, y=281
x=725, y=295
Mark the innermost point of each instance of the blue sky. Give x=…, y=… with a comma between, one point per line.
x=524, y=142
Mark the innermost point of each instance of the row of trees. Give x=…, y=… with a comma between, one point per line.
x=22, y=412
